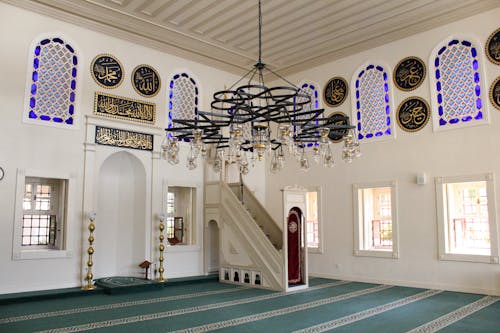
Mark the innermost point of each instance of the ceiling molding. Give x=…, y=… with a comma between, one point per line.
x=297, y=34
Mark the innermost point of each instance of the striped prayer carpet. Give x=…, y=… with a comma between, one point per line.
x=327, y=306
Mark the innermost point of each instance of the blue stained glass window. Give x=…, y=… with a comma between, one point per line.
x=183, y=98
x=457, y=83
x=53, y=81
x=373, y=102
x=310, y=90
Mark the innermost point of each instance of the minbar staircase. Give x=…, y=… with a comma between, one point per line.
x=250, y=240
x=259, y=214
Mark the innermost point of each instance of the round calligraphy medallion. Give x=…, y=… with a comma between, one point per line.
x=292, y=227
x=107, y=71
x=146, y=81
x=341, y=119
x=409, y=73
x=493, y=47
x=495, y=93
x=413, y=114
x=335, y=91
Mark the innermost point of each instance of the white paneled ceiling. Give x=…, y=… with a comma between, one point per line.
x=297, y=34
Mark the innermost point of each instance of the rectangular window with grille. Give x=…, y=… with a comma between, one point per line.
x=312, y=220
x=180, y=220
x=170, y=214
x=467, y=226
x=43, y=211
x=375, y=219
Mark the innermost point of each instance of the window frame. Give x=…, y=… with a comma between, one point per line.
x=358, y=220
x=442, y=213
x=29, y=80
x=193, y=234
x=20, y=252
x=174, y=75
x=57, y=208
x=319, y=198
x=482, y=84
x=354, y=100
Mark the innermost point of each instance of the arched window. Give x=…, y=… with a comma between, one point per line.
x=456, y=85
x=311, y=89
x=373, y=104
x=52, y=88
x=183, y=98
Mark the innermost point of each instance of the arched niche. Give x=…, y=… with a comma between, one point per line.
x=212, y=247
x=120, y=236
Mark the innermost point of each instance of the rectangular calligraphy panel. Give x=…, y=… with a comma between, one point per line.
x=122, y=138
x=124, y=108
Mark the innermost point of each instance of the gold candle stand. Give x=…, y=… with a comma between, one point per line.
x=161, y=270
x=90, y=251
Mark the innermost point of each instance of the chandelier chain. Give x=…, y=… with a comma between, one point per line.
x=241, y=119
x=260, y=33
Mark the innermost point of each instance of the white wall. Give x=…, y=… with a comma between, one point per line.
x=27, y=146
x=458, y=152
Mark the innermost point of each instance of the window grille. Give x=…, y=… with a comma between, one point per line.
x=456, y=84
x=52, y=88
x=183, y=98
x=373, y=111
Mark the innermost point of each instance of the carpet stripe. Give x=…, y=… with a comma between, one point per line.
x=116, y=305
x=166, y=314
x=368, y=313
x=455, y=316
x=280, y=312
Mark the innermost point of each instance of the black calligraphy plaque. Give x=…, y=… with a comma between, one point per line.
x=341, y=119
x=335, y=91
x=107, y=71
x=495, y=93
x=122, y=138
x=413, y=114
x=493, y=47
x=124, y=108
x=409, y=73
x=146, y=81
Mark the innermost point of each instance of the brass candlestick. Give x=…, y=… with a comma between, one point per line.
x=161, y=248
x=90, y=251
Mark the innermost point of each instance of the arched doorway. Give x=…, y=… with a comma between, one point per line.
x=121, y=209
x=213, y=247
x=294, y=235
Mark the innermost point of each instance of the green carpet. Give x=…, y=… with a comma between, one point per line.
x=327, y=306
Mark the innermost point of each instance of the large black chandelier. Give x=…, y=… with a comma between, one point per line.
x=242, y=121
